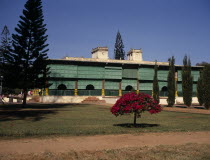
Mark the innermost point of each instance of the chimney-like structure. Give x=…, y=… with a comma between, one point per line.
x=100, y=53
x=135, y=55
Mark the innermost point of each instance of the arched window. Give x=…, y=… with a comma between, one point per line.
x=164, y=89
x=90, y=87
x=129, y=88
x=62, y=87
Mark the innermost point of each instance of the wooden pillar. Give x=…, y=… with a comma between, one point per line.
x=46, y=91
x=76, y=88
x=176, y=85
x=103, y=90
x=120, y=88
x=137, y=89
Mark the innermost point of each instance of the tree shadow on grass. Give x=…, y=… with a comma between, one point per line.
x=35, y=106
x=33, y=112
x=28, y=115
x=200, y=107
x=140, y=125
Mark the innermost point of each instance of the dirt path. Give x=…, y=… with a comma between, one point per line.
x=100, y=142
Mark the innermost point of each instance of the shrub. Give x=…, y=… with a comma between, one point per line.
x=135, y=103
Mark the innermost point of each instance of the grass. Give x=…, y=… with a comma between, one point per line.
x=41, y=120
x=180, y=152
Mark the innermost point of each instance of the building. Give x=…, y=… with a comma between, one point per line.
x=101, y=76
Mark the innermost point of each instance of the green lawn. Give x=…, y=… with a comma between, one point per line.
x=81, y=119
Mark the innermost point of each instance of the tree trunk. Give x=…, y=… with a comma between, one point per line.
x=134, y=122
x=24, y=97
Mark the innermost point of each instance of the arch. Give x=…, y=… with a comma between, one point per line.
x=164, y=89
x=62, y=87
x=90, y=87
x=129, y=88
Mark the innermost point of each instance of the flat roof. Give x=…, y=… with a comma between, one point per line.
x=110, y=61
x=96, y=60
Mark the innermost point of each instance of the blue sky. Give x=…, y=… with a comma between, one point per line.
x=162, y=28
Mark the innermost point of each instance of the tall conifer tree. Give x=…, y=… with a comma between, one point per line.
x=119, y=48
x=30, y=48
x=206, y=82
x=5, y=49
x=200, y=89
x=5, y=45
x=187, y=82
x=171, y=82
x=155, y=84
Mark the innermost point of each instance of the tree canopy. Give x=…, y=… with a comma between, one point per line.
x=187, y=82
x=155, y=84
x=119, y=52
x=29, y=54
x=171, y=82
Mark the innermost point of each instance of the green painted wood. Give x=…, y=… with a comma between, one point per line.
x=127, y=82
x=162, y=75
x=63, y=71
x=146, y=73
x=111, y=85
x=83, y=83
x=129, y=73
x=196, y=75
x=55, y=92
x=113, y=72
x=179, y=73
x=55, y=84
x=109, y=92
x=91, y=72
x=146, y=86
x=162, y=84
x=89, y=92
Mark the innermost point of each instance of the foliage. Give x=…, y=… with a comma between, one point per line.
x=187, y=82
x=119, y=51
x=202, y=63
x=200, y=89
x=206, y=83
x=5, y=46
x=171, y=82
x=135, y=103
x=155, y=84
x=28, y=59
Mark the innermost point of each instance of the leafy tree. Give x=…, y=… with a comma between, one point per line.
x=202, y=63
x=155, y=84
x=200, y=89
x=28, y=59
x=206, y=83
x=135, y=103
x=119, y=51
x=187, y=82
x=171, y=82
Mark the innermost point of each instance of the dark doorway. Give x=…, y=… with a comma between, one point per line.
x=164, y=89
x=90, y=87
x=62, y=87
x=129, y=88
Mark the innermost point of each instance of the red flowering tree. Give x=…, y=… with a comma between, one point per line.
x=135, y=103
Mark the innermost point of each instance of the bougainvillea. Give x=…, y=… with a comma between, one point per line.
x=135, y=103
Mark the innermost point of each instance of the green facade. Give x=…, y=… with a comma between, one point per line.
x=109, y=79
